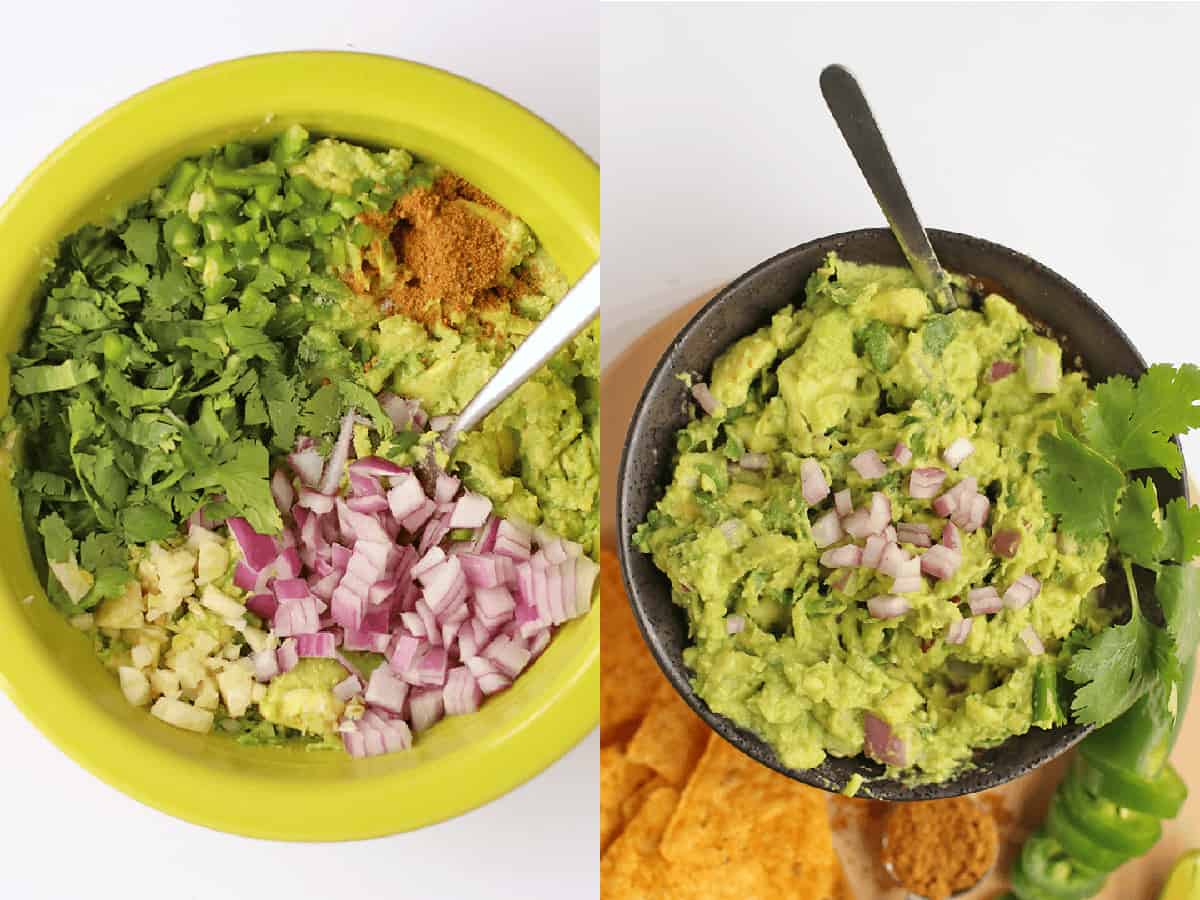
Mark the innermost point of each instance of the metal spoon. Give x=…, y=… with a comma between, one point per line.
x=569, y=317
x=845, y=100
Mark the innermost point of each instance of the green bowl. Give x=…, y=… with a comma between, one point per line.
x=49, y=669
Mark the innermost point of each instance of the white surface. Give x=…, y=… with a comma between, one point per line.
x=1069, y=132
x=66, y=834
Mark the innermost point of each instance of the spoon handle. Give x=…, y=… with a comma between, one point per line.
x=569, y=317
x=845, y=100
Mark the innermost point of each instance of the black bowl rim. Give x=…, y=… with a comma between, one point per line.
x=1067, y=735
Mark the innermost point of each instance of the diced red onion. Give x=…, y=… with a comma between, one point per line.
x=431, y=670
x=308, y=464
x=958, y=451
x=704, y=397
x=258, y=550
x=977, y=515
x=1032, y=642
x=925, y=482
x=827, y=529
x=955, y=498
x=315, y=645
x=266, y=665
x=813, y=486
x=433, y=557
x=869, y=465
x=1022, y=592
x=404, y=654
x=984, y=600
x=858, y=523
x=1000, y=370
x=888, y=607
x=950, y=536
x=262, y=605
x=873, y=552
x=461, y=694
x=1006, y=542
x=907, y=584
x=440, y=423
x=401, y=412
x=376, y=467
x=957, y=632
x=281, y=490
x=902, y=454
x=882, y=743
x=286, y=655
x=734, y=624
x=842, y=502
x=494, y=682
x=843, y=557
x=446, y=488
x=316, y=501
x=915, y=533
x=336, y=464
x=425, y=707
x=940, y=562
x=509, y=656
x=880, y=512
x=891, y=561
x=471, y=511
x=385, y=690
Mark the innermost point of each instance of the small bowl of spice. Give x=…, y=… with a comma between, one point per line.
x=939, y=848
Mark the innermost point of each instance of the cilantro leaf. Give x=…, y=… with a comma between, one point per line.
x=144, y=522
x=1079, y=486
x=1178, y=592
x=1132, y=424
x=246, y=480
x=110, y=582
x=62, y=377
x=59, y=543
x=876, y=341
x=364, y=401
x=141, y=239
x=1115, y=669
x=1181, y=527
x=937, y=333
x=1137, y=531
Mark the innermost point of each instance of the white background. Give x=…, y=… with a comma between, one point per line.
x=1069, y=132
x=65, y=834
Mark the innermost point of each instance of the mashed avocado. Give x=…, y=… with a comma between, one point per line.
x=865, y=364
x=303, y=698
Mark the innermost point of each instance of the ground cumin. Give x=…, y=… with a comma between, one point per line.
x=453, y=258
x=937, y=847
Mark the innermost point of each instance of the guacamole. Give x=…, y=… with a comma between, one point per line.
x=860, y=398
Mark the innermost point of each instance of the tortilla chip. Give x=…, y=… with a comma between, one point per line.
x=735, y=809
x=632, y=804
x=619, y=779
x=627, y=669
x=670, y=739
x=634, y=869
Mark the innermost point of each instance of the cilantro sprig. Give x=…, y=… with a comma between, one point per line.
x=1089, y=483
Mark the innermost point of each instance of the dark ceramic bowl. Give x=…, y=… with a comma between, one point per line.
x=748, y=303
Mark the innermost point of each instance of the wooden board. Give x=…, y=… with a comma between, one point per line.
x=1019, y=806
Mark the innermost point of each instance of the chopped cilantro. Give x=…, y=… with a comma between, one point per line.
x=937, y=333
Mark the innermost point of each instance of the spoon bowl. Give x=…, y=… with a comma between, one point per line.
x=747, y=304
